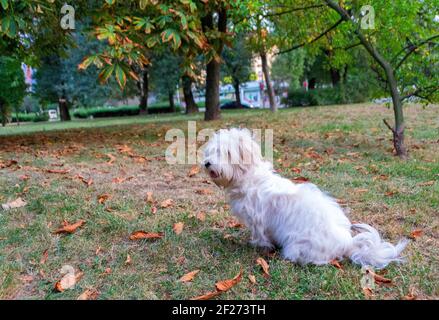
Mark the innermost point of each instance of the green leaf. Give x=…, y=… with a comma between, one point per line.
x=106, y=73
x=110, y=2
x=151, y=42
x=121, y=77
x=5, y=4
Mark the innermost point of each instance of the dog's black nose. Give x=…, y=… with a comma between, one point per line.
x=207, y=164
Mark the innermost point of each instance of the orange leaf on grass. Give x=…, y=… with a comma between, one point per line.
x=103, y=197
x=112, y=158
x=201, y=216
x=153, y=210
x=300, y=179
x=207, y=296
x=149, y=197
x=336, y=264
x=204, y=191
x=58, y=171
x=89, y=294
x=128, y=259
x=194, y=170
x=70, y=228
x=252, y=278
x=178, y=227
x=189, y=276
x=264, y=265
x=44, y=256
x=167, y=203
x=68, y=281
x=137, y=235
x=416, y=234
x=368, y=293
x=225, y=285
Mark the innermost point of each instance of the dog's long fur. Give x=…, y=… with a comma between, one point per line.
x=308, y=225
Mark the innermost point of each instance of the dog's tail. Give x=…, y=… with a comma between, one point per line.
x=369, y=249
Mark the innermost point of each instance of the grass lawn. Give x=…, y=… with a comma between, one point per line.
x=346, y=150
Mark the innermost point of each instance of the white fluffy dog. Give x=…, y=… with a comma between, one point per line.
x=308, y=225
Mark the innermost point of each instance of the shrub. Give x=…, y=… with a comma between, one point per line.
x=28, y=117
x=102, y=112
x=326, y=96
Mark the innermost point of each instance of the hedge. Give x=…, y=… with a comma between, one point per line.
x=101, y=112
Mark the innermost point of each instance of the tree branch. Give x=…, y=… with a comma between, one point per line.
x=413, y=48
x=274, y=14
x=388, y=125
x=419, y=93
x=313, y=40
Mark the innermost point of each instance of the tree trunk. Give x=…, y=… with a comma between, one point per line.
x=171, y=100
x=3, y=113
x=63, y=109
x=213, y=67
x=335, y=76
x=270, y=91
x=236, y=86
x=144, y=91
x=398, y=130
x=212, y=91
x=191, y=106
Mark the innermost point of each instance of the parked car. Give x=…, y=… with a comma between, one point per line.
x=234, y=105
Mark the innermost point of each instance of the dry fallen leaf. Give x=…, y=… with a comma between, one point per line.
x=153, y=210
x=204, y=191
x=252, y=278
x=189, y=276
x=416, y=234
x=128, y=260
x=70, y=228
x=167, y=203
x=68, y=281
x=225, y=285
x=368, y=293
x=411, y=295
x=194, y=170
x=104, y=197
x=137, y=235
x=390, y=193
x=89, y=294
x=207, y=296
x=300, y=180
x=17, y=203
x=112, y=158
x=149, y=197
x=261, y=261
x=426, y=184
x=88, y=182
x=361, y=190
x=201, y=216
x=178, y=227
x=44, y=256
x=336, y=264
x=58, y=171
x=380, y=279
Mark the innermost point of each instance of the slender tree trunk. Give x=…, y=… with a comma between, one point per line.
x=398, y=129
x=236, y=86
x=63, y=109
x=191, y=106
x=3, y=113
x=16, y=115
x=213, y=67
x=144, y=91
x=335, y=76
x=171, y=100
x=270, y=91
